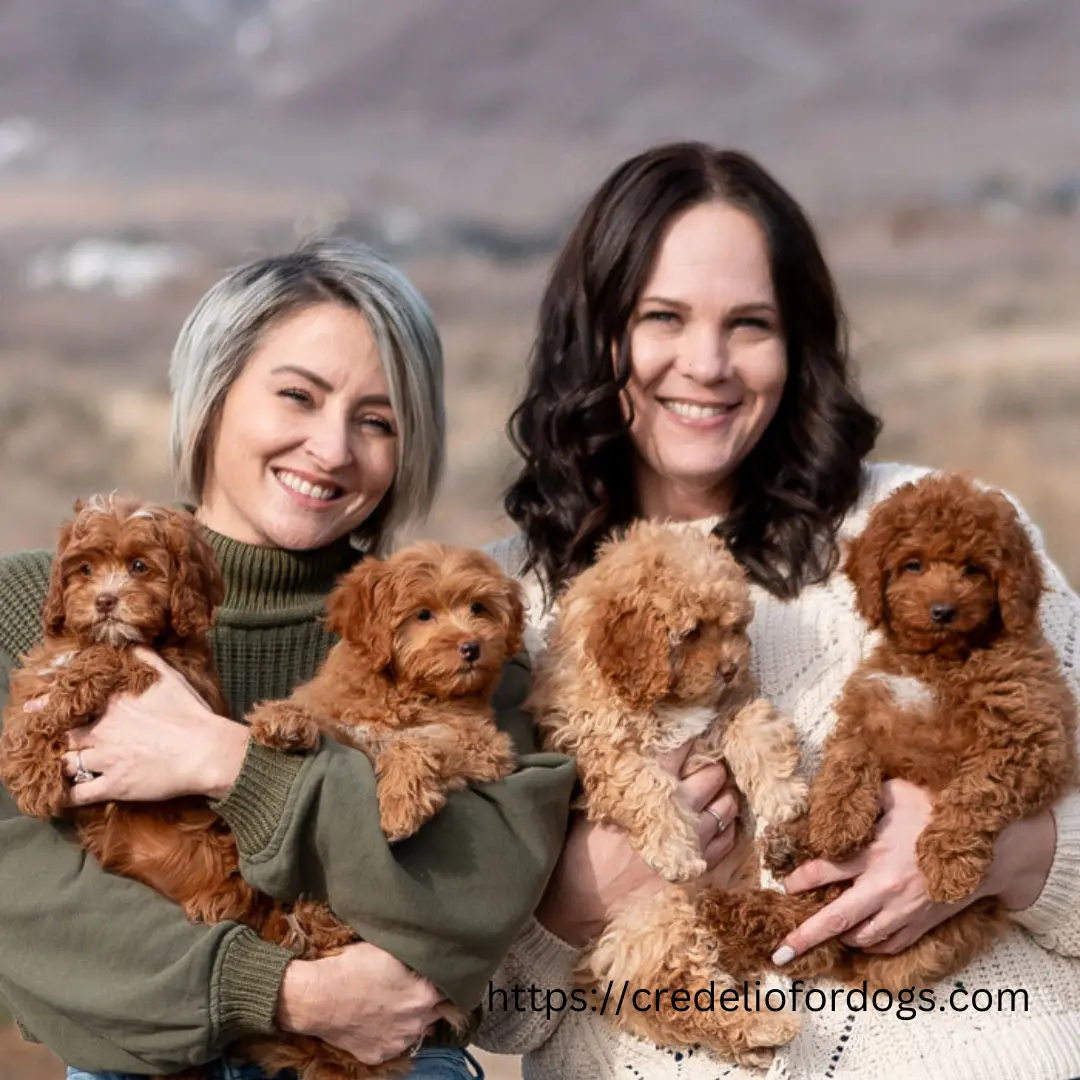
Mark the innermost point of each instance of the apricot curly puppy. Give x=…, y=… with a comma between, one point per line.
x=963, y=696
x=648, y=651
x=424, y=635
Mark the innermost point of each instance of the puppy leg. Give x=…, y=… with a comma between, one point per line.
x=762, y=750
x=642, y=799
x=475, y=753
x=284, y=725
x=786, y=846
x=409, y=783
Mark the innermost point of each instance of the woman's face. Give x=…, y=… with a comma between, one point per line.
x=708, y=362
x=305, y=445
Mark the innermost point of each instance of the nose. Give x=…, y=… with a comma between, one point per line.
x=105, y=602
x=470, y=651
x=942, y=613
x=328, y=443
x=729, y=670
x=704, y=357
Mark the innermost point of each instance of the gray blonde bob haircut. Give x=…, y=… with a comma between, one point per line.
x=227, y=325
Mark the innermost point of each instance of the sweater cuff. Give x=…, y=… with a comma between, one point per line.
x=549, y=960
x=246, y=986
x=1057, y=901
x=255, y=804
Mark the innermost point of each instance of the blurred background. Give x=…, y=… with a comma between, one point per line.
x=147, y=145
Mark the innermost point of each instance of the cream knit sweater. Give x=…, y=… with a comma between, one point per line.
x=803, y=651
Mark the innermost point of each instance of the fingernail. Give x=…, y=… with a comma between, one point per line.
x=783, y=955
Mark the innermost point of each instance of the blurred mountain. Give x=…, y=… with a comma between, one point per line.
x=515, y=108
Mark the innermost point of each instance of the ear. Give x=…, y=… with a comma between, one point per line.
x=864, y=563
x=354, y=613
x=52, y=613
x=630, y=646
x=509, y=601
x=197, y=586
x=1019, y=575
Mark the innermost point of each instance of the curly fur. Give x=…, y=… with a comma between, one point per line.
x=648, y=651
x=424, y=635
x=963, y=696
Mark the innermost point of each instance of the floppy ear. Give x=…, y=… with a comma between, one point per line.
x=630, y=646
x=52, y=612
x=354, y=613
x=1019, y=575
x=197, y=585
x=509, y=601
x=864, y=563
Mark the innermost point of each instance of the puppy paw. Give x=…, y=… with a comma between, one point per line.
x=784, y=847
x=401, y=818
x=281, y=725
x=952, y=866
x=782, y=800
x=838, y=832
x=673, y=861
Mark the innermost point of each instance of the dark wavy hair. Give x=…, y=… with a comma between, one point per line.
x=576, y=484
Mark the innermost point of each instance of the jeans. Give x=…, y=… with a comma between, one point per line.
x=432, y=1063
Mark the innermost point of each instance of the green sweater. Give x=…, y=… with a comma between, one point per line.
x=111, y=976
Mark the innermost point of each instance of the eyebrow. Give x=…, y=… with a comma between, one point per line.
x=738, y=309
x=322, y=384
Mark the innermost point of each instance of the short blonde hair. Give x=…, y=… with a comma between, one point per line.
x=225, y=328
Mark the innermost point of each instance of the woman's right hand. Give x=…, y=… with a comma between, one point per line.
x=599, y=867
x=362, y=1000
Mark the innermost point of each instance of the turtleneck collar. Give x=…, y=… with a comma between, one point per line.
x=265, y=583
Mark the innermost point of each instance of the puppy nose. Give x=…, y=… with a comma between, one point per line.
x=729, y=671
x=943, y=613
x=105, y=602
x=470, y=651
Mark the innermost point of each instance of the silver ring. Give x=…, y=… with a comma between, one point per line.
x=82, y=773
x=415, y=1048
x=721, y=824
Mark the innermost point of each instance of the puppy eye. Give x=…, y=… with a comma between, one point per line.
x=424, y=615
x=912, y=566
x=970, y=570
x=139, y=567
x=477, y=608
x=693, y=633
x=86, y=569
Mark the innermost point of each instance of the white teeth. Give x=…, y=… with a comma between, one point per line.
x=291, y=480
x=696, y=412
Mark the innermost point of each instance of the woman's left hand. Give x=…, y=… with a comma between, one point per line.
x=886, y=909
x=164, y=743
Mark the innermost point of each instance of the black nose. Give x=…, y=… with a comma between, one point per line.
x=105, y=602
x=943, y=613
x=470, y=651
x=729, y=671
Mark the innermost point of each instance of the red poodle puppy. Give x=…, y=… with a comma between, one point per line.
x=963, y=696
x=125, y=574
x=424, y=635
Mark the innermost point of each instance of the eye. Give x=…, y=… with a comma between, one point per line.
x=379, y=423
x=139, y=567
x=424, y=615
x=971, y=570
x=477, y=608
x=753, y=322
x=86, y=569
x=301, y=397
x=692, y=634
x=912, y=566
x=664, y=318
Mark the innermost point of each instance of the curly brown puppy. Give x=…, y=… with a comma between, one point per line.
x=125, y=574
x=424, y=635
x=963, y=696
x=648, y=651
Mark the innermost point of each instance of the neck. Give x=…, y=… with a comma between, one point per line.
x=660, y=499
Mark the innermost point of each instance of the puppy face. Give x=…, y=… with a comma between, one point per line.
x=663, y=616
x=441, y=620
x=942, y=564
x=125, y=572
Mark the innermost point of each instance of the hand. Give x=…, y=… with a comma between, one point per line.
x=164, y=743
x=887, y=909
x=599, y=867
x=362, y=1000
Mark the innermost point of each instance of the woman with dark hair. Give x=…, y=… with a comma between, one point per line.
x=691, y=366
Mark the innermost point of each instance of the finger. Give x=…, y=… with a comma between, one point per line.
x=93, y=791
x=831, y=921
x=672, y=761
x=819, y=872
x=872, y=931
x=36, y=704
x=719, y=847
x=699, y=789
x=82, y=737
x=717, y=817
x=154, y=660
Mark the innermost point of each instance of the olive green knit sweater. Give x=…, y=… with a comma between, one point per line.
x=110, y=976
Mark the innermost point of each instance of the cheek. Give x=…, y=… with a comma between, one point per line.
x=763, y=370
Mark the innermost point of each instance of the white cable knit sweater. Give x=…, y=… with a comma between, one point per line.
x=803, y=651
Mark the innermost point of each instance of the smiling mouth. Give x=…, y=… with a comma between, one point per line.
x=697, y=412
x=322, y=492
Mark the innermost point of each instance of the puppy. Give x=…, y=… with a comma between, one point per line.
x=962, y=696
x=648, y=651
x=125, y=574
x=424, y=635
